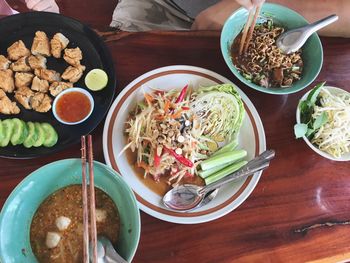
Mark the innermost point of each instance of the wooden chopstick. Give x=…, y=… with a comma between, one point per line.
x=92, y=201
x=247, y=34
x=245, y=30
x=252, y=26
x=85, y=202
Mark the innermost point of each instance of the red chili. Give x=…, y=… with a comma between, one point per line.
x=175, y=171
x=182, y=94
x=179, y=157
x=185, y=108
x=188, y=175
x=156, y=158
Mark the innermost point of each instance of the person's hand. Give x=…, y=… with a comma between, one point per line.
x=248, y=4
x=215, y=16
x=43, y=5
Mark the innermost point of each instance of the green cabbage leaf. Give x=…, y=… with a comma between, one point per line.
x=221, y=110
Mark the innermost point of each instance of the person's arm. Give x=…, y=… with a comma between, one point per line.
x=43, y=5
x=214, y=17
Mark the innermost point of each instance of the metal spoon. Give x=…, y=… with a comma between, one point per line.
x=106, y=252
x=188, y=197
x=208, y=197
x=294, y=39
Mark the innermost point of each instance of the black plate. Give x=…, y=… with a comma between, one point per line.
x=95, y=55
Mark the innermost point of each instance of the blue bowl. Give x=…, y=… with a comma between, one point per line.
x=312, y=53
x=17, y=213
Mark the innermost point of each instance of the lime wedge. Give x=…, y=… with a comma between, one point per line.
x=96, y=79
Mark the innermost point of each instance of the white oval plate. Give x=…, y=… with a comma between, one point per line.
x=251, y=138
x=343, y=158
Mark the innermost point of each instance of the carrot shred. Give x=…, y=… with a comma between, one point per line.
x=149, y=98
x=159, y=117
x=176, y=115
x=166, y=106
x=144, y=166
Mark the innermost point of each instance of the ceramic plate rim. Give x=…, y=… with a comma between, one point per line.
x=260, y=147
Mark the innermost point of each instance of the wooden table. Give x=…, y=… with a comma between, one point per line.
x=300, y=209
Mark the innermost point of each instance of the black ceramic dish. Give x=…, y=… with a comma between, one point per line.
x=95, y=55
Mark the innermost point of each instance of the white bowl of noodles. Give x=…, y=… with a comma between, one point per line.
x=337, y=126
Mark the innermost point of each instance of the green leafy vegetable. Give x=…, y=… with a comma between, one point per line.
x=300, y=130
x=308, y=124
x=312, y=97
x=309, y=134
x=320, y=120
x=247, y=76
x=306, y=110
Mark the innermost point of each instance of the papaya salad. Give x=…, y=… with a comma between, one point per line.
x=178, y=133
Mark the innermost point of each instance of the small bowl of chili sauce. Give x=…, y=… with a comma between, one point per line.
x=73, y=106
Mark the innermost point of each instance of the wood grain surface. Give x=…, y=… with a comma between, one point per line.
x=300, y=209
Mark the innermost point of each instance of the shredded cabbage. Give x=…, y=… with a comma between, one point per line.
x=333, y=136
x=221, y=109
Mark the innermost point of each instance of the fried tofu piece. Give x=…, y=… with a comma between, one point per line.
x=58, y=43
x=6, y=105
x=4, y=63
x=21, y=65
x=41, y=102
x=6, y=80
x=37, y=61
x=73, y=56
x=17, y=50
x=24, y=96
x=47, y=74
x=23, y=79
x=57, y=87
x=41, y=85
x=73, y=74
x=29, y=99
x=41, y=45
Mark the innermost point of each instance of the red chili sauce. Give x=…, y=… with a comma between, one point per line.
x=73, y=106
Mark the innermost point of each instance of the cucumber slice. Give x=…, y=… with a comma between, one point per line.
x=20, y=131
x=51, y=136
x=40, y=135
x=32, y=135
x=2, y=134
x=7, y=132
